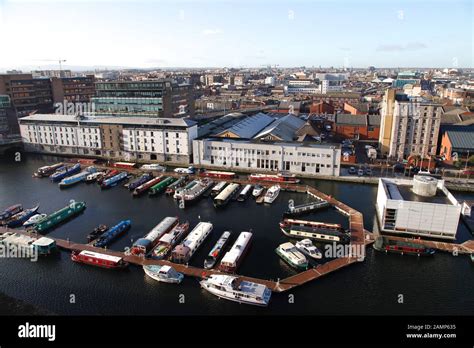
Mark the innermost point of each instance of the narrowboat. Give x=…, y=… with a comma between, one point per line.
x=113, y=233
x=402, y=247
x=98, y=259
x=232, y=259
x=69, y=211
x=217, y=250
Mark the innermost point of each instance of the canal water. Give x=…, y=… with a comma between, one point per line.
x=439, y=285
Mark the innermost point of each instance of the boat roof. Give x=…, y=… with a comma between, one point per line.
x=287, y=245
x=44, y=241
x=198, y=231
x=16, y=238
x=236, y=251
x=100, y=256
x=165, y=268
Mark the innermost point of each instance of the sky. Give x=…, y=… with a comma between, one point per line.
x=231, y=33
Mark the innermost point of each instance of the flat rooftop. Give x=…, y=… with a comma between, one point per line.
x=280, y=143
x=409, y=195
x=100, y=119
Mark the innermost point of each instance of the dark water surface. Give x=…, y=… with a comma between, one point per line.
x=440, y=285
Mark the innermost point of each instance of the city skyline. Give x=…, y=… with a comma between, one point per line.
x=164, y=34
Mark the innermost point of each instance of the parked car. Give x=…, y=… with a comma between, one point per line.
x=368, y=171
x=352, y=170
x=468, y=172
x=360, y=172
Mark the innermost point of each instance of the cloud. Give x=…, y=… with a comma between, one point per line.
x=214, y=31
x=410, y=46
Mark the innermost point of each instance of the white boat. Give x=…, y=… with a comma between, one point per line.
x=257, y=191
x=94, y=176
x=184, y=251
x=166, y=274
x=237, y=290
x=288, y=252
x=232, y=259
x=272, y=194
x=153, y=166
x=306, y=247
x=218, y=188
x=34, y=219
x=189, y=170
x=244, y=193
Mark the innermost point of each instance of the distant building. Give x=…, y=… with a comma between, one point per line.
x=270, y=80
x=321, y=107
x=51, y=73
x=150, y=98
x=457, y=145
x=406, y=77
x=360, y=127
x=305, y=89
x=8, y=121
x=356, y=108
x=409, y=126
x=331, y=82
x=73, y=89
x=120, y=138
x=337, y=99
x=27, y=95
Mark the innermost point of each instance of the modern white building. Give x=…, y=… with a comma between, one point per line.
x=305, y=89
x=128, y=138
x=248, y=155
x=328, y=86
x=421, y=207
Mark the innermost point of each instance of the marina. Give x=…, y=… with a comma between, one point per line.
x=276, y=285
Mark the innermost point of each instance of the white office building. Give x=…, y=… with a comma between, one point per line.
x=247, y=155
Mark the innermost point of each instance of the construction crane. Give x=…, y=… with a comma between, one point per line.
x=54, y=60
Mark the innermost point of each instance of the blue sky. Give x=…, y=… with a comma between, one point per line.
x=204, y=33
